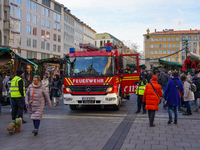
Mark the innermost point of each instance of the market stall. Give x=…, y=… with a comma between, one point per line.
x=167, y=65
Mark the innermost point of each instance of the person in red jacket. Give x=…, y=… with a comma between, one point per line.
x=151, y=98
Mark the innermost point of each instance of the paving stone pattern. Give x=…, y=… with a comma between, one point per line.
x=91, y=128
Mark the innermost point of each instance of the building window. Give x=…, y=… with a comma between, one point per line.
x=28, y=4
x=59, y=38
x=160, y=39
x=43, y=10
x=54, y=26
x=59, y=28
x=46, y=3
x=168, y=39
x=42, y=33
x=195, y=38
x=168, y=58
x=48, y=24
x=194, y=51
x=34, y=19
x=47, y=46
x=11, y=11
x=183, y=57
x=47, y=34
x=43, y=22
x=35, y=7
x=173, y=39
x=44, y=56
x=176, y=59
x=177, y=38
x=156, y=39
x=168, y=51
x=28, y=17
x=172, y=51
x=31, y=55
x=195, y=44
x=19, y=2
x=58, y=48
x=42, y=45
x=47, y=12
x=172, y=58
x=177, y=45
x=11, y=24
x=35, y=43
x=164, y=51
x=151, y=39
x=18, y=40
x=59, y=18
x=57, y=8
x=156, y=52
x=183, y=38
x=172, y=45
x=28, y=42
x=55, y=16
x=189, y=44
x=168, y=45
x=35, y=31
x=28, y=29
x=160, y=45
x=151, y=51
x=19, y=13
x=54, y=37
x=151, y=45
x=160, y=51
x=54, y=48
x=189, y=38
x=164, y=45
x=11, y=39
x=164, y=39
x=18, y=26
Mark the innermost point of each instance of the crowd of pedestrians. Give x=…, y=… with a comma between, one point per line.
x=177, y=89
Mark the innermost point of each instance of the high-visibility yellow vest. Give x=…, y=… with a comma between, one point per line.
x=127, y=71
x=14, y=88
x=141, y=88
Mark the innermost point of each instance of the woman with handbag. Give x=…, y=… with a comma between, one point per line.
x=36, y=95
x=56, y=86
x=152, y=97
x=173, y=95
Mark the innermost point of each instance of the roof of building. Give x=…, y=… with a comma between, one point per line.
x=172, y=31
x=105, y=36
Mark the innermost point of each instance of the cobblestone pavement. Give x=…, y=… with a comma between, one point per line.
x=91, y=128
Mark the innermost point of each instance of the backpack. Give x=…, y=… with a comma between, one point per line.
x=193, y=87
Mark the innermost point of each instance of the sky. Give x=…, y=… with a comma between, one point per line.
x=128, y=20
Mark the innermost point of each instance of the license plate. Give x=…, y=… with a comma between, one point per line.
x=88, y=98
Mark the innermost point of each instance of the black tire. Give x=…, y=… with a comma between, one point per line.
x=116, y=107
x=74, y=107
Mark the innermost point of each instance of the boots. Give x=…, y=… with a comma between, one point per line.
x=170, y=120
x=196, y=110
x=175, y=121
x=55, y=104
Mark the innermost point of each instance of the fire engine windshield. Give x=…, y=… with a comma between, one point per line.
x=90, y=66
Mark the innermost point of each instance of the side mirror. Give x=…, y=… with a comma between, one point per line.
x=121, y=76
x=121, y=70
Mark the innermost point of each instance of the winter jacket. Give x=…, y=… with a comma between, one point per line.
x=150, y=96
x=188, y=94
x=56, y=85
x=46, y=84
x=36, y=100
x=171, y=92
x=164, y=79
x=195, y=80
x=159, y=79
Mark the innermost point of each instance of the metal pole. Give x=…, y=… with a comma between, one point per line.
x=147, y=60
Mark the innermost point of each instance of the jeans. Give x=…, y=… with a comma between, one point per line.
x=36, y=124
x=151, y=114
x=187, y=103
x=175, y=111
x=55, y=99
x=140, y=103
x=163, y=88
x=196, y=103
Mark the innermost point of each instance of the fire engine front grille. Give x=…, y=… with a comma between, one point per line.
x=92, y=88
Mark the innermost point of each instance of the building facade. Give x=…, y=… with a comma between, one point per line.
x=169, y=42
x=88, y=34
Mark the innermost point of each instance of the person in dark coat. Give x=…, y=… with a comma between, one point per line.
x=196, y=80
x=56, y=85
x=172, y=96
x=164, y=80
x=159, y=77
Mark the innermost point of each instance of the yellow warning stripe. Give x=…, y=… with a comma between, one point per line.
x=106, y=81
x=109, y=80
x=132, y=77
x=67, y=81
x=70, y=81
x=129, y=79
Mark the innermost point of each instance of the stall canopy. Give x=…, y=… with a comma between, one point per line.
x=170, y=65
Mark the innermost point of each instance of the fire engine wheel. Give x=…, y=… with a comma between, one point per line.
x=74, y=107
x=116, y=107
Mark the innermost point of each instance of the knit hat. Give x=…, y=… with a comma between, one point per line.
x=154, y=78
x=19, y=72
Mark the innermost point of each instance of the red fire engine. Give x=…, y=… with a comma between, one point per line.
x=98, y=77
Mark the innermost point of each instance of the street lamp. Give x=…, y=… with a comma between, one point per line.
x=185, y=43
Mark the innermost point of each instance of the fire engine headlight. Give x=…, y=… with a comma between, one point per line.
x=68, y=90
x=68, y=99
x=110, y=98
x=109, y=89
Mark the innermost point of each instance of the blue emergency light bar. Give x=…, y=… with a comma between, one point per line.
x=72, y=50
x=108, y=48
